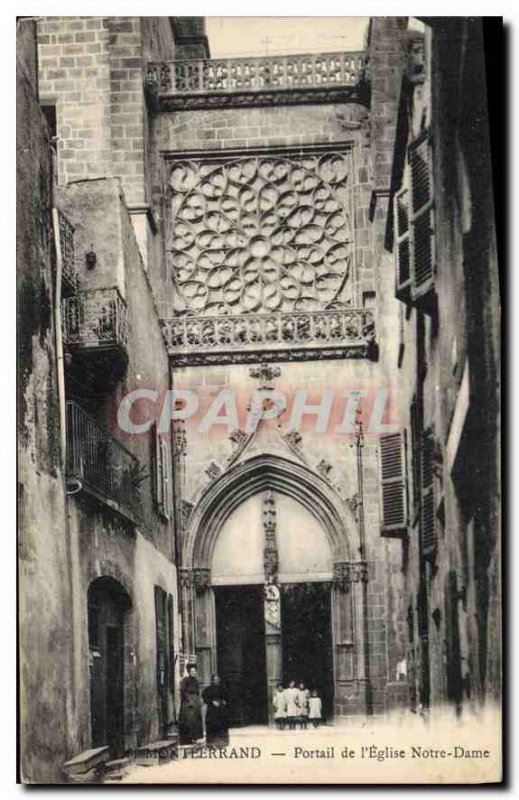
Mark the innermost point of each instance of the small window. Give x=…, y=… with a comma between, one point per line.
x=49, y=112
x=48, y=108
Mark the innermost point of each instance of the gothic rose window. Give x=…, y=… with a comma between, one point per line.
x=262, y=234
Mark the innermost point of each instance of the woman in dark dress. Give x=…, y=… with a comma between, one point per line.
x=190, y=717
x=216, y=726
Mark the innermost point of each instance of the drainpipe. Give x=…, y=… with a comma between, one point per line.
x=59, y=337
x=72, y=555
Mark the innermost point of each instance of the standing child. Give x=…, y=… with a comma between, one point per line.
x=304, y=697
x=280, y=706
x=315, y=709
x=292, y=701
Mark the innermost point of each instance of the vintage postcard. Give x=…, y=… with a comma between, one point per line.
x=258, y=401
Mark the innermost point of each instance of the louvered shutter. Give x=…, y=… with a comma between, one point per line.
x=422, y=222
x=427, y=510
x=393, y=500
x=415, y=455
x=402, y=244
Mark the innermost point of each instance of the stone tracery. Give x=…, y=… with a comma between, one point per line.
x=262, y=234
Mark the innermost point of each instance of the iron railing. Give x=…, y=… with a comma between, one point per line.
x=96, y=318
x=68, y=254
x=101, y=463
x=224, y=76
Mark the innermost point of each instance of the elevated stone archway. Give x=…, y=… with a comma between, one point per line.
x=262, y=473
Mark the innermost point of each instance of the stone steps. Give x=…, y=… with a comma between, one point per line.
x=159, y=752
x=86, y=767
x=116, y=769
x=94, y=766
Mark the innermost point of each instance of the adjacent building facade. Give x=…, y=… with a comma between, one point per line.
x=442, y=232
x=291, y=253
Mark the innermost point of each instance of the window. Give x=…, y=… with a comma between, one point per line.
x=422, y=459
x=49, y=112
x=414, y=228
x=393, y=484
x=48, y=108
x=163, y=474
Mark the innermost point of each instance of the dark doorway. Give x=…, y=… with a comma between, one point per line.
x=108, y=603
x=307, y=638
x=240, y=631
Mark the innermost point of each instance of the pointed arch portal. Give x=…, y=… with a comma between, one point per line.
x=257, y=626
x=258, y=474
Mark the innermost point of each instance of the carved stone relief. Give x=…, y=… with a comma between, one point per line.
x=213, y=471
x=270, y=553
x=347, y=572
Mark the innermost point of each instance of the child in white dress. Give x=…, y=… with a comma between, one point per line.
x=315, y=709
x=304, y=697
x=292, y=701
x=280, y=706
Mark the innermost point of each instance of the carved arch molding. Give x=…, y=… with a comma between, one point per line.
x=263, y=233
x=260, y=474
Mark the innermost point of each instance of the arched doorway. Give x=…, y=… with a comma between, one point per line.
x=286, y=635
x=243, y=583
x=108, y=607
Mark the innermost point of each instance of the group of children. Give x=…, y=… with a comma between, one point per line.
x=296, y=705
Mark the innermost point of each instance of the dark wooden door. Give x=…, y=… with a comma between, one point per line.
x=240, y=626
x=107, y=605
x=114, y=689
x=307, y=638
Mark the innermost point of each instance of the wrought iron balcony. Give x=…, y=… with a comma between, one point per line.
x=102, y=465
x=345, y=333
x=245, y=81
x=68, y=255
x=95, y=319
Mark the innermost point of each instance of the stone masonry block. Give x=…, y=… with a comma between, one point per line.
x=85, y=37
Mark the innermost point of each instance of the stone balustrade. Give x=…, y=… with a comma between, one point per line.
x=260, y=75
x=346, y=332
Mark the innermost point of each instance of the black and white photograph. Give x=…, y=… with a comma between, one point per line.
x=258, y=335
